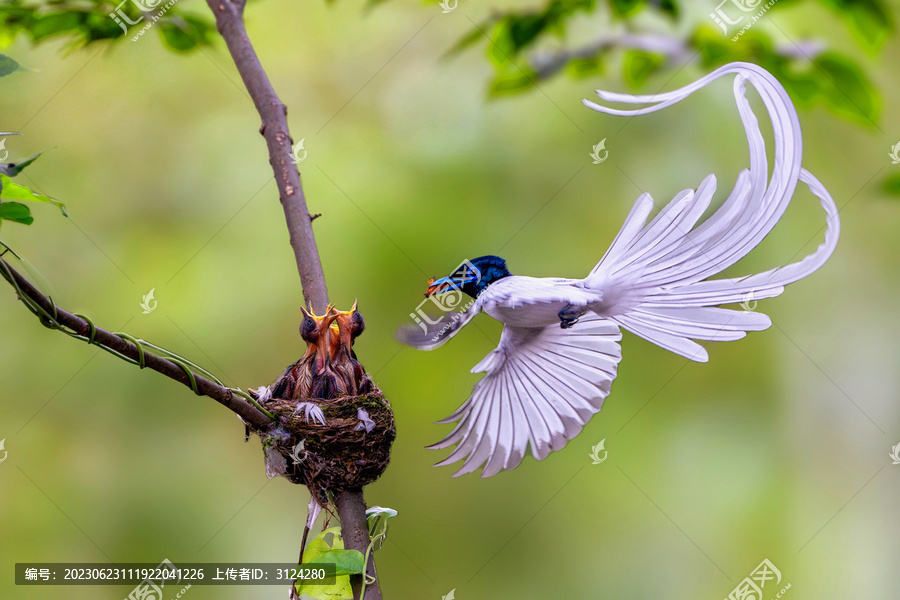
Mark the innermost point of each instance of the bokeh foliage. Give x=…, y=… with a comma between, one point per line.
x=521, y=42
x=517, y=42
x=745, y=457
x=84, y=22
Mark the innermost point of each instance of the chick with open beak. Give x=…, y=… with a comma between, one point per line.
x=328, y=368
x=322, y=332
x=350, y=324
x=304, y=379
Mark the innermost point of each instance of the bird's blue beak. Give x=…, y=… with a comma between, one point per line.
x=437, y=286
x=457, y=280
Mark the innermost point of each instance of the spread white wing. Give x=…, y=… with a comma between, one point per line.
x=542, y=385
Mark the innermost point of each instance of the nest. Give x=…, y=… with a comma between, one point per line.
x=345, y=453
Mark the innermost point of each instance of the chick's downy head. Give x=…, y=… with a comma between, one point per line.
x=350, y=325
x=318, y=332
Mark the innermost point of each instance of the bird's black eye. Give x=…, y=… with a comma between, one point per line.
x=308, y=326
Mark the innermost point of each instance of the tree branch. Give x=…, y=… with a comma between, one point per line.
x=172, y=370
x=351, y=507
x=229, y=21
x=672, y=48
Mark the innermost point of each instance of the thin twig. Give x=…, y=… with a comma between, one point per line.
x=671, y=48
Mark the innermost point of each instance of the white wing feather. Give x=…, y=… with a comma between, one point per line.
x=542, y=386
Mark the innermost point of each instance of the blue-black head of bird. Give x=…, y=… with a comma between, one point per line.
x=472, y=277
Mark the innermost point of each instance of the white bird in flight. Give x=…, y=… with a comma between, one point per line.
x=559, y=349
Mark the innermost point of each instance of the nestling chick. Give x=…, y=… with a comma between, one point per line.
x=350, y=325
x=328, y=368
x=302, y=380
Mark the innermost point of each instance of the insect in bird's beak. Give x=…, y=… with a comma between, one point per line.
x=436, y=286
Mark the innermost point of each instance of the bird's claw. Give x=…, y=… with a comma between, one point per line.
x=310, y=411
x=568, y=316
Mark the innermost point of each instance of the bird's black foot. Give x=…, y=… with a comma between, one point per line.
x=569, y=315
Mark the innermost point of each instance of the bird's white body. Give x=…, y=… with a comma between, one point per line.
x=533, y=301
x=543, y=382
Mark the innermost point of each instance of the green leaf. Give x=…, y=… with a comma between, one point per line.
x=18, y=213
x=584, y=67
x=175, y=37
x=346, y=562
x=98, y=26
x=13, y=169
x=320, y=544
x=323, y=551
x=670, y=7
x=514, y=81
x=846, y=89
x=501, y=49
x=639, y=65
x=803, y=87
x=56, y=23
x=7, y=65
x=626, y=8
x=13, y=191
x=712, y=47
x=525, y=29
x=892, y=185
x=465, y=41
x=869, y=20
x=183, y=33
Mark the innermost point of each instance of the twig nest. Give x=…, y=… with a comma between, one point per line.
x=350, y=450
x=333, y=427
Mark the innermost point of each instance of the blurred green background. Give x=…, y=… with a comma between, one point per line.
x=777, y=448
